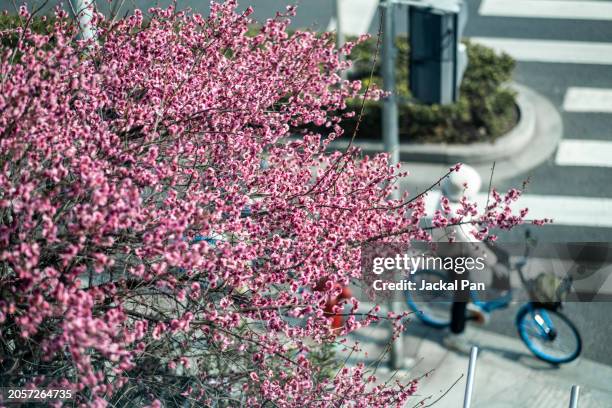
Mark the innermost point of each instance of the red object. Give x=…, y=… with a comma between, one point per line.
x=336, y=319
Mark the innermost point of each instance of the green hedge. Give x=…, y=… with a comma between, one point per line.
x=485, y=110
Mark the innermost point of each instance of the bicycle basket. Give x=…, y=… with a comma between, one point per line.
x=549, y=288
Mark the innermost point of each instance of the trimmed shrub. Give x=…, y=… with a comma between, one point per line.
x=486, y=108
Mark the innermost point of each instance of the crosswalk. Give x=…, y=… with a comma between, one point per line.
x=574, y=151
x=577, y=153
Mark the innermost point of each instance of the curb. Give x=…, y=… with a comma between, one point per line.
x=547, y=133
x=474, y=153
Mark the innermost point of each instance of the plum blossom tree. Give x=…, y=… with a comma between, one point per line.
x=162, y=235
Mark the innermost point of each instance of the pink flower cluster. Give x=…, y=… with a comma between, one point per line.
x=161, y=234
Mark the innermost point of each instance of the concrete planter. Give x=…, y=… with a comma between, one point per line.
x=505, y=146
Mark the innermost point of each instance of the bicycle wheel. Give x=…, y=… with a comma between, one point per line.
x=549, y=335
x=432, y=307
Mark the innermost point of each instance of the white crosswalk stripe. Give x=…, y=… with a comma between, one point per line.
x=569, y=52
x=578, y=99
x=564, y=210
x=592, y=153
x=565, y=9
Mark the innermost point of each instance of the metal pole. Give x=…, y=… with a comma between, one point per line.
x=574, y=396
x=84, y=14
x=390, y=114
x=469, y=386
x=340, y=38
x=391, y=139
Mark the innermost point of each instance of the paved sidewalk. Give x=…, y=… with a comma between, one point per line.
x=507, y=375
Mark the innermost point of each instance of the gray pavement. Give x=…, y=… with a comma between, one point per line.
x=507, y=375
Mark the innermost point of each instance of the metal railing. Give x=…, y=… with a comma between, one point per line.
x=469, y=386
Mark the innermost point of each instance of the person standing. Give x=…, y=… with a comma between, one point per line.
x=464, y=183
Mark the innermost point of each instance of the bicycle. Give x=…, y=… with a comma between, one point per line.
x=547, y=333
